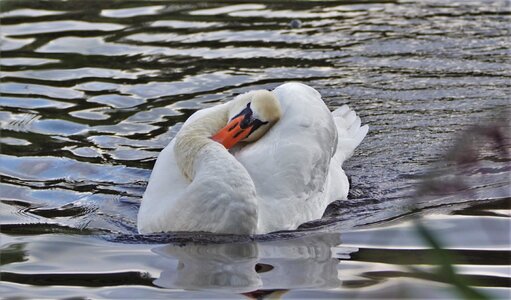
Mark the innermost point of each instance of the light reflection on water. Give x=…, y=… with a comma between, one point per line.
x=92, y=93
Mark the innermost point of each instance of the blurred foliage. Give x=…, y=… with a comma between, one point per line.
x=464, y=159
x=445, y=272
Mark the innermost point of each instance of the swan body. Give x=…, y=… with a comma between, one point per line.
x=286, y=173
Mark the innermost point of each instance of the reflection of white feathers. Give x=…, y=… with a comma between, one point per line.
x=284, y=179
x=305, y=262
x=211, y=267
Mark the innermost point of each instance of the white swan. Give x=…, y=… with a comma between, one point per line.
x=284, y=168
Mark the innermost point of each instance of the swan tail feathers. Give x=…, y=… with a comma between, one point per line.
x=349, y=130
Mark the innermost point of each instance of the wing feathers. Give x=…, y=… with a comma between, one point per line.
x=349, y=130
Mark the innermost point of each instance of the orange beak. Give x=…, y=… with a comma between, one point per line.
x=232, y=133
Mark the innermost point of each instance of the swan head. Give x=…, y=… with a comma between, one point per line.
x=250, y=116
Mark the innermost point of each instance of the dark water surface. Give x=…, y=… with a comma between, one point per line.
x=93, y=90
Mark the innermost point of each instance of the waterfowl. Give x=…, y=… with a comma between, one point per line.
x=262, y=162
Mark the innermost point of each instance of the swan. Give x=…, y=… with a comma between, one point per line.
x=262, y=162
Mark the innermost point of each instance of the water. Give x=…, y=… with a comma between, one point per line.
x=92, y=91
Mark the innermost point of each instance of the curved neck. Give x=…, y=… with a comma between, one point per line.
x=193, y=137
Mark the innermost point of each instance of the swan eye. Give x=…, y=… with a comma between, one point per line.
x=245, y=122
x=247, y=112
x=247, y=116
x=256, y=124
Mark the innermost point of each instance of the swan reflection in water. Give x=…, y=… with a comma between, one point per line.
x=306, y=262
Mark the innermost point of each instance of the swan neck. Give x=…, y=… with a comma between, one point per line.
x=194, y=136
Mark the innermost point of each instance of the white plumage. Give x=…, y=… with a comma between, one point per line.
x=278, y=182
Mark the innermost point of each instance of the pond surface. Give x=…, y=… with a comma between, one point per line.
x=93, y=90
